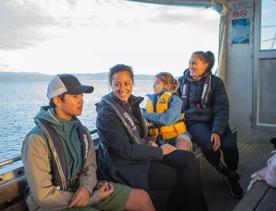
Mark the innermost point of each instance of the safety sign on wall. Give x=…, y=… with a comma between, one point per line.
x=241, y=13
x=241, y=9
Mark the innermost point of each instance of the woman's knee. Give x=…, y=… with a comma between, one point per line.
x=188, y=159
x=180, y=159
x=139, y=200
x=191, y=158
x=192, y=161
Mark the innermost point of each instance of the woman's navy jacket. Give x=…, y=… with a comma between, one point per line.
x=216, y=113
x=120, y=159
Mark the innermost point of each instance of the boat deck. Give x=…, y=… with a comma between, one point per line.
x=252, y=158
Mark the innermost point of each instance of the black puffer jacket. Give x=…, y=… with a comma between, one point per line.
x=216, y=112
x=120, y=158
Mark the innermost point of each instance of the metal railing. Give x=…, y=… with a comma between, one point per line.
x=18, y=157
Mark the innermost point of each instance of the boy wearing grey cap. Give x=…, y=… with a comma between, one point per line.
x=59, y=158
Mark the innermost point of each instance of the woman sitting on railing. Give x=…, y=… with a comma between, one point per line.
x=127, y=157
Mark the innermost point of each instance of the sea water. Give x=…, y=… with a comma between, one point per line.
x=20, y=101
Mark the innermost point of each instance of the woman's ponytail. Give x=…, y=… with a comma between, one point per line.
x=211, y=60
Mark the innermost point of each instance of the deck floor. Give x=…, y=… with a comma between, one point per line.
x=252, y=158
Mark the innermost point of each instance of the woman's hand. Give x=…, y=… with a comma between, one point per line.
x=215, y=139
x=167, y=149
x=80, y=198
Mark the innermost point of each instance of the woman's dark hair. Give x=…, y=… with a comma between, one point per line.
x=168, y=78
x=119, y=68
x=51, y=102
x=206, y=57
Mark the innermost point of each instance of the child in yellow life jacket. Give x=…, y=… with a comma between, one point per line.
x=163, y=114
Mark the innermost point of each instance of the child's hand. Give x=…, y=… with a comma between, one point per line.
x=153, y=144
x=184, y=145
x=167, y=149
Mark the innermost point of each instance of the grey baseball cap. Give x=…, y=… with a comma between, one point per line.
x=66, y=83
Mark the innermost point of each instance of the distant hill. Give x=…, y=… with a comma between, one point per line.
x=24, y=76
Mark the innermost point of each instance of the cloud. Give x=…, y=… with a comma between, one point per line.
x=186, y=16
x=20, y=24
x=170, y=14
x=170, y=17
x=26, y=23
x=5, y=67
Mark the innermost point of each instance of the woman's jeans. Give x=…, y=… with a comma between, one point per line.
x=201, y=134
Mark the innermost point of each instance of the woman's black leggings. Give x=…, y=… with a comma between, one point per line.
x=179, y=173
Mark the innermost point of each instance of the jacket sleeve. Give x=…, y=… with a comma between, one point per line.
x=113, y=134
x=89, y=178
x=37, y=170
x=220, y=107
x=170, y=116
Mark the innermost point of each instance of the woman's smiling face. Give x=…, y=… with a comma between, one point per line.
x=122, y=84
x=197, y=67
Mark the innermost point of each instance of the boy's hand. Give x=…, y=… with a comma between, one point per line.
x=105, y=190
x=99, y=184
x=80, y=198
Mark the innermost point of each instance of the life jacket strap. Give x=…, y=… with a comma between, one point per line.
x=127, y=121
x=204, y=95
x=60, y=170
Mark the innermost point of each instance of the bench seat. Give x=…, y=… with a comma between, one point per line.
x=261, y=197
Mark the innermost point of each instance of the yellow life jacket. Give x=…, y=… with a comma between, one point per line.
x=168, y=131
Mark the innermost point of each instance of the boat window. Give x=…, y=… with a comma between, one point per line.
x=268, y=25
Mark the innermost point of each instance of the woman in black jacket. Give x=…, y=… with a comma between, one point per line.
x=206, y=108
x=127, y=156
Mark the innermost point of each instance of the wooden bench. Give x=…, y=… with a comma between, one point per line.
x=261, y=197
x=12, y=195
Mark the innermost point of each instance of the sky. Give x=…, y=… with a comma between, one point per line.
x=81, y=36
